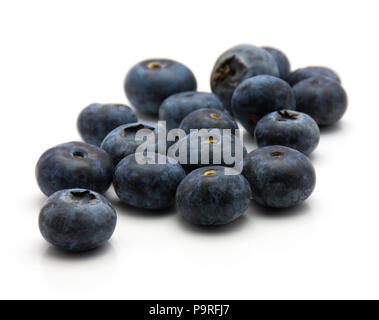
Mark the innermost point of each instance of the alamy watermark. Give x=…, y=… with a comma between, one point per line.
x=199, y=148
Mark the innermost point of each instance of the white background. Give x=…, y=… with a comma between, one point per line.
x=56, y=57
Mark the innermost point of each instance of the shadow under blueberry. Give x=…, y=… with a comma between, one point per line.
x=230, y=228
x=123, y=208
x=147, y=117
x=39, y=201
x=55, y=253
x=314, y=156
x=326, y=130
x=278, y=213
x=249, y=139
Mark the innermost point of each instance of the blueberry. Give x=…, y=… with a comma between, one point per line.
x=77, y=220
x=237, y=64
x=97, y=120
x=200, y=152
x=281, y=60
x=74, y=165
x=309, y=72
x=279, y=177
x=208, y=118
x=322, y=98
x=149, y=82
x=288, y=128
x=150, y=184
x=121, y=141
x=209, y=197
x=176, y=107
x=258, y=96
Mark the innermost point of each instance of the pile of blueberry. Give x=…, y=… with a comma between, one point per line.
x=251, y=85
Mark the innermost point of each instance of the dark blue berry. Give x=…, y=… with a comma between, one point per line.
x=74, y=165
x=77, y=220
x=288, y=128
x=279, y=177
x=322, y=98
x=258, y=96
x=207, y=196
x=149, y=82
x=208, y=118
x=176, y=107
x=237, y=64
x=309, y=72
x=149, y=185
x=97, y=120
x=122, y=142
x=281, y=60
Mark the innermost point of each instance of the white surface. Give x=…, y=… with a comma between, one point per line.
x=57, y=57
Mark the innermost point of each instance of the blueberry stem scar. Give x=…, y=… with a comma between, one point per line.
x=212, y=141
x=147, y=160
x=230, y=68
x=78, y=155
x=154, y=65
x=133, y=129
x=276, y=155
x=83, y=195
x=285, y=115
x=209, y=173
x=214, y=116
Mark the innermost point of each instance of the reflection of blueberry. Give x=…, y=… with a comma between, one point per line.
x=309, y=72
x=97, y=120
x=121, y=141
x=77, y=219
x=237, y=64
x=208, y=118
x=176, y=107
x=281, y=60
x=209, y=197
x=288, y=128
x=214, y=149
x=74, y=165
x=279, y=177
x=147, y=185
x=258, y=96
x=149, y=82
x=322, y=98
